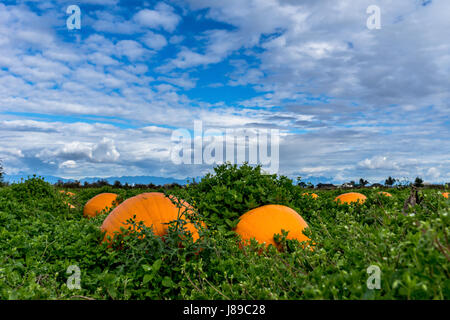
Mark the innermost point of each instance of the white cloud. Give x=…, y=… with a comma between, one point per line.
x=69, y=164
x=105, y=151
x=154, y=40
x=349, y=101
x=219, y=45
x=156, y=129
x=433, y=173
x=176, y=39
x=133, y=50
x=162, y=17
x=378, y=162
x=100, y=2
x=107, y=22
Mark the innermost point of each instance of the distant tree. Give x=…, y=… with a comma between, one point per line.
x=69, y=184
x=418, y=182
x=101, y=183
x=301, y=184
x=193, y=182
x=390, y=181
x=170, y=186
x=352, y=183
x=325, y=186
x=363, y=182
x=2, y=173
x=117, y=184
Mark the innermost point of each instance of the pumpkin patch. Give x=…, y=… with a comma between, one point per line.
x=41, y=238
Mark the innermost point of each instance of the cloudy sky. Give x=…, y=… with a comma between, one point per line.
x=104, y=100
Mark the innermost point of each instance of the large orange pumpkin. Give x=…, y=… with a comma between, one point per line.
x=99, y=203
x=153, y=208
x=383, y=193
x=351, y=197
x=445, y=194
x=313, y=195
x=264, y=222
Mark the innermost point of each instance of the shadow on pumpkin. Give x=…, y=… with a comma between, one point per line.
x=281, y=243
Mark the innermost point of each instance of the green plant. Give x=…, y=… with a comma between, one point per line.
x=40, y=238
x=418, y=182
x=221, y=198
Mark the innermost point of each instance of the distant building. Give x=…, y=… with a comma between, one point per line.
x=325, y=186
x=376, y=185
x=347, y=185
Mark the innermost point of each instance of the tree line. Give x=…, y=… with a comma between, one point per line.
x=389, y=182
x=117, y=184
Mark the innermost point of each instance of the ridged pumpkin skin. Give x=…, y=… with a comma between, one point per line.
x=153, y=208
x=445, y=194
x=315, y=196
x=264, y=222
x=351, y=197
x=383, y=193
x=98, y=203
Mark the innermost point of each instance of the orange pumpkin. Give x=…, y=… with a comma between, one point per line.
x=445, y=194
x=351, y=197
x=67, y=193
x=315, y=196
x=99, y=203
x=153, y=208
x=71, y=206
x=264, y=222
x=383, y=193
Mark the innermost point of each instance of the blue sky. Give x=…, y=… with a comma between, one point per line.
x=104, y=100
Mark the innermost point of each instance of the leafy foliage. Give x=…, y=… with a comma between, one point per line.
x=390, y=181
x=221, y=198
x=40, y=237
x=418, y=182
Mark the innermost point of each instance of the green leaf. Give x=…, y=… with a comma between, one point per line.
x=147, y=278
x=146, y=268
x=156, y=265
x=167, y=282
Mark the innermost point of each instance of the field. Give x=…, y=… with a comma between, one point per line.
x=41, y=237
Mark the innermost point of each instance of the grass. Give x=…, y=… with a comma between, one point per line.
x=40, y=238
